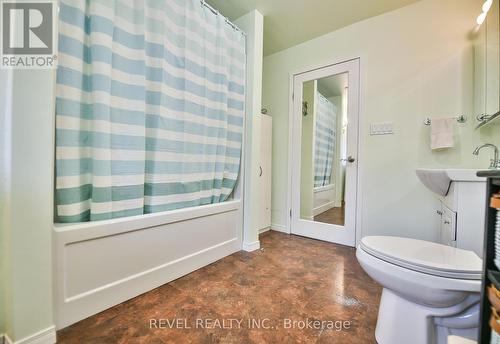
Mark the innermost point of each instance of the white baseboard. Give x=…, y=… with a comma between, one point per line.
x=279, y=228
x=46, y=336
x=265, y=229
x=251, y=246
x=324, y=207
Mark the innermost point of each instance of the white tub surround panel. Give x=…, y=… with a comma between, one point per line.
x=103, y=263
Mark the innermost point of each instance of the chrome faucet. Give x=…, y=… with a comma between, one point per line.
x=495, y=162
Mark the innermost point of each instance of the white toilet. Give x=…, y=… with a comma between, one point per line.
x=430, y=290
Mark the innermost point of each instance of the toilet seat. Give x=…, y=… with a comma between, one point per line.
x=424, y=256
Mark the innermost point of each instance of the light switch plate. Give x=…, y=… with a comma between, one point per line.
x=384, y=128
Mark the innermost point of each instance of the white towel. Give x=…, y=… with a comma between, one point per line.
x=442, y=132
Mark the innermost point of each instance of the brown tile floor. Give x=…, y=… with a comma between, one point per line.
x=292, y=278
x=333, y=215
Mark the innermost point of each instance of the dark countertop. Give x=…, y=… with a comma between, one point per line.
x=489, y=173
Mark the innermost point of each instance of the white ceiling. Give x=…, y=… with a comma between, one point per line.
x=333, y=86
x=290, y=22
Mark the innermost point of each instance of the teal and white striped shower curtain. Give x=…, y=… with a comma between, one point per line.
x=324, y=140
x=149, y=107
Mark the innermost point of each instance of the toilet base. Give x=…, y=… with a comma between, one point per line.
x=403, y=321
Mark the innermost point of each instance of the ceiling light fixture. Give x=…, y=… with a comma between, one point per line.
x=480, y=18
x=486, y=7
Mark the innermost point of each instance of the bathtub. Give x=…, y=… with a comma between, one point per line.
x=323, y=199
x=103, y=263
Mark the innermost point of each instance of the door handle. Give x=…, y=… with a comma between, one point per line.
x=349, y=159
x=260, y=174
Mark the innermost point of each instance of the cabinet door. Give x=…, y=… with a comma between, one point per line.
x=265, y=170
x=448, y=231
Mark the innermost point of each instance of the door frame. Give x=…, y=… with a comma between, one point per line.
x=359, y=158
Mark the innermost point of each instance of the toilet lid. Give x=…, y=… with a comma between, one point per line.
x=425, y=256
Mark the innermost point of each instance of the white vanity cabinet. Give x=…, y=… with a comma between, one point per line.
x=447, y=226
x=462, y=215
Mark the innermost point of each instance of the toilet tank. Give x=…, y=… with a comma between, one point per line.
x=462, y=213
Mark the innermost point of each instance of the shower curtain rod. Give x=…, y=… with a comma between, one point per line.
x=230, y=23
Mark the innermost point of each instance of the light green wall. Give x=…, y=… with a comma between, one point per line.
x=307, y=151
x=27, y=205
x=415, y=62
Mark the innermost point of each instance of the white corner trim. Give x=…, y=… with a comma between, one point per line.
x=279, y=228
x=46, y=336
x=5, y=338
x=251, y=246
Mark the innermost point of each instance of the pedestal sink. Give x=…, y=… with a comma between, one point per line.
x=439, y=180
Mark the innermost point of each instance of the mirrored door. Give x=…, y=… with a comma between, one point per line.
x=324, y=143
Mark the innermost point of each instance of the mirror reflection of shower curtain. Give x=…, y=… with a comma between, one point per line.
x=324, y=141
